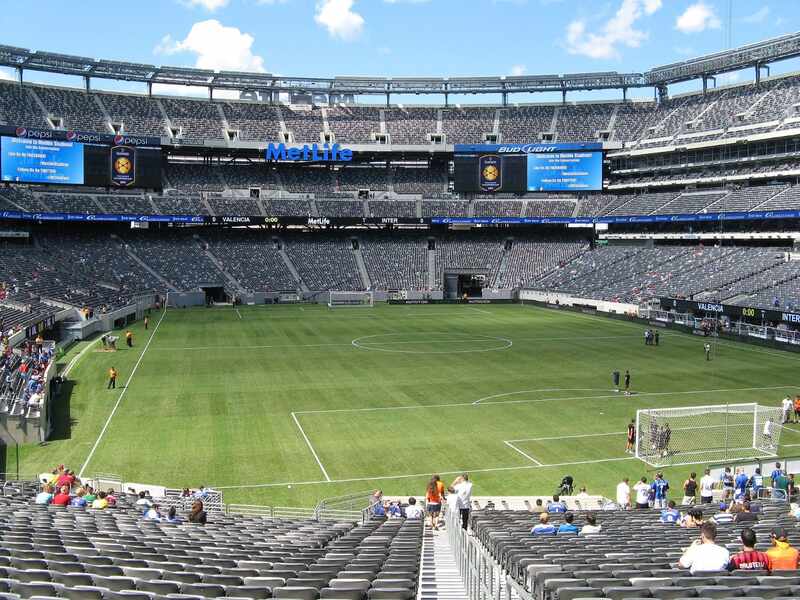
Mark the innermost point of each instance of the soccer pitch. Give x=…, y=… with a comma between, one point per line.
x=284, y=405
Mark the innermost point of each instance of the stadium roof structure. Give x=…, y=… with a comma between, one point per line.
x=756, y=55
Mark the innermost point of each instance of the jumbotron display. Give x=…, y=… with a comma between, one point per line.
x=528, y=168
x=74, y=158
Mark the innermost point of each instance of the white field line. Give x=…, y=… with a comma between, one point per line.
x=121, y=396
x=537, y=400
x=238, y=313
x=420, y=475
x=528, y=456
x=78, y=356
x=568, y=437
x=792, y=429
x=478, y=401
x=310, y=447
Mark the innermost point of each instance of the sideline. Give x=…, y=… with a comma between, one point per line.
x=121, y=396
x=310, y=447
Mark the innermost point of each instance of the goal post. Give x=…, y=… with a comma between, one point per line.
x=702, y=434
x=345, y=299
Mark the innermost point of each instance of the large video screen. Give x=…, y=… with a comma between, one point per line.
x=61, y=162
x=528, y=168
x=41, y=161
x=565, y=171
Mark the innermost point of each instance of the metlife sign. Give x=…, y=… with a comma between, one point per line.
x=306, y=153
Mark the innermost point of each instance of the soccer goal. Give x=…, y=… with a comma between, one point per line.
x=340, y=299
x=702, y=434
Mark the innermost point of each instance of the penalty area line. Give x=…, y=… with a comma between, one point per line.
x=238, y=313
x=528, y=456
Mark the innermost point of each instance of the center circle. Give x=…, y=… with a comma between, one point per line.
x=431, y=343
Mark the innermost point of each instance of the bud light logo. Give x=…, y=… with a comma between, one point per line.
x=21, y=132
x=71, y=135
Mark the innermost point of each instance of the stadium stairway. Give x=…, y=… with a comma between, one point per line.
x=439, y=578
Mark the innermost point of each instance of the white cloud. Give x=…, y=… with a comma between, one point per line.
x=518, y=70
x=757, y=17
x=6, y=75
x=339, y=18
x=209, y=5
x=216, y=46
x=696, y=18
x=618, y=30
x=192, y=91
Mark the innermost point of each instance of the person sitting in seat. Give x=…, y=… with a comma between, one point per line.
x=172, y=516
x=782, y=556
x=143, y=501
x=198, y=515
x=567, y=526
x=62, y=498
x=45, y=496
x=591, y=525
x=670, y=514
x=704, y=554
x=78, y=501
x=749, y=559
x=152, y=513
x=100, y=503
x=745, y=515
x=556, y=506
x=413, y=510
x=544, y=527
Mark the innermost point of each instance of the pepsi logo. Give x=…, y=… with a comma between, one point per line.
x=71, y=135
x=118, y=139
x=21, y=132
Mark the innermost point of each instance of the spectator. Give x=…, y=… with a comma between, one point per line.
x=463, y=490
x=591, y=525
x=172, y=516
x=777, y=472
x=727, y=484
x=62, y=498
x=567, y=526
x=539, y=506
x=413, y=511
x=791, y=489
x=723, y=517
x=745, y=516
x=197, y=514
x=544, y=527
x=78, y=501
x=659, y=489
x=45, y=496
x=756, y=482
x=152, y=513
x=111, y=498
x=704, y=554
x=557, y=505
x=642, y=493
x=143, y=500
x=395, y=511
x=100, y=502
x=582, y=495
x=624, y=494
x=90, y=495
x=782, y=557
x=670, y=514
x=379, y=509
x=740, y=484
x=433, y=501
x=201, y=493
x=706, y=487
x=749, y=559
x=690, y=490
x=694, y=518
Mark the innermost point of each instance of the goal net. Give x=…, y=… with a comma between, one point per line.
x=702, y=434
x=338, y=299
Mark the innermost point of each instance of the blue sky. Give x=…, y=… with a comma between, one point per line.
x=398, y=37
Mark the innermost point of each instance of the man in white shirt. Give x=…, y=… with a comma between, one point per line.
x=706, y=488
x=642, y=493
x=624, y=494
x=786, y=409
x=463, y=489
x=704, y=554
x=413, y=511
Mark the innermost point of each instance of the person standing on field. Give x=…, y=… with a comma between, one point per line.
x=129, y=338
x=146, y=321
x=627, y=382
x=112, y=379
x=631, y=437
x=707, y=350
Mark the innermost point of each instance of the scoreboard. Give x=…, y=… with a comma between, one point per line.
x=524, y=168
x=74, y=158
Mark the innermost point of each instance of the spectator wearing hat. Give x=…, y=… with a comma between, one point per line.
x=782, y=556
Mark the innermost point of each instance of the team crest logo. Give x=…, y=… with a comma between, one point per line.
x=489, y=173
x=123, y=166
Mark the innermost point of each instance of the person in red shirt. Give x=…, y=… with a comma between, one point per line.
x=62, y=498
x=749, y=559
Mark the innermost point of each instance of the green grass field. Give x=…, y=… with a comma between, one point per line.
x=286, y=405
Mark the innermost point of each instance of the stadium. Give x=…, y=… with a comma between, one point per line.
x=263, y=318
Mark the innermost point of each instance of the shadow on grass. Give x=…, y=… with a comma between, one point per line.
x=61, y=414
